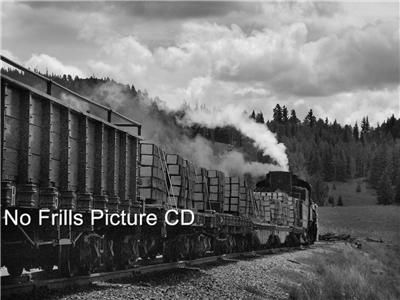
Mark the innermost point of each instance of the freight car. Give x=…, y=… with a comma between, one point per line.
x=70, y=160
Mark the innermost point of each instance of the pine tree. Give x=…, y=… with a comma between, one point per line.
x=310, y=119
x=340, y=201
x=364, y=129
x=327, y=164
x=293, y=118
x=277, y=113
x=253, y=115
x=341, y=165
x=347, y=133
x=385, y=191
x=331, y=200
x=285, y=116
x=378, y=165
x=396, y=184
x=320, y=189
x=365, y=125
x=314, y=165
x=397, y=194
x=356, y=133
x=260, y=118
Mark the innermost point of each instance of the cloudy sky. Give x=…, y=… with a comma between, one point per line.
x=340, y=59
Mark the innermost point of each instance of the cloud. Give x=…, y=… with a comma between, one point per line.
x=45, y=63
x=250, y=55
x=183, y=10
x=284, y=60
x=351, y=106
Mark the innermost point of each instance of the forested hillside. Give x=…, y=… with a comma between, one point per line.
x=323, y=151
x=319, y=150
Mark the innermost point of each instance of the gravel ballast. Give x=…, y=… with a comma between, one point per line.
x=266, y=277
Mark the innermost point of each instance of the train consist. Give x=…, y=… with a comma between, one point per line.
x=65, y=163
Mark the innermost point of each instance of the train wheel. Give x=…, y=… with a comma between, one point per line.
x=273, y=241
x=86, y=268
x=231, y=244
x=292, y=240
x=119, y=260
x=254, y=241
x=109, y=256
x=195, y=246
x=169, y=253
x=67, y=265
x=153, y=247
x=166, y=252
x=277, y=241
x=15, y=270
x=240, y=243
x=183, y=246
x=202, y=245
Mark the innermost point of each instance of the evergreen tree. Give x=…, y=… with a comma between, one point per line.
x=385, y=191
x=340, y=201
x=364, y=129
x=314, y=162
x=260, y=118
x=356, y=133
x=327, y=162
x=378, y=165
x=340, y=165
x=397, y=193
x=253, y=115
x=397, y=185
x=347, y=134
x=277, y=113
x=331, y=200
x=285, y=116
x=320, y=189
x=310, y=119
x=293, y=118
x=365, y=125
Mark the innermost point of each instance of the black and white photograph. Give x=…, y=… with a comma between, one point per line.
x=200, y=150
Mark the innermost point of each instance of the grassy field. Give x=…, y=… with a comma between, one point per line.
x=350, y=196
x=375, y=221
x=348, y=272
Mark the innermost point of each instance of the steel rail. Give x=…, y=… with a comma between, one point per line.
x=33, y=285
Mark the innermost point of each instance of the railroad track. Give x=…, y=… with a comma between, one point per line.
x=30, y=284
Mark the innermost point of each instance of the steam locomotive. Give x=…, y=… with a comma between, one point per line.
x=60, y=164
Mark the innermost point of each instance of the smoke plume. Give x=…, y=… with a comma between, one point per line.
x=231, y=162
x=162, y=127
x=263, y=139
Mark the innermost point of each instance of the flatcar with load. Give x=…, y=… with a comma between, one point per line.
x=62, y=164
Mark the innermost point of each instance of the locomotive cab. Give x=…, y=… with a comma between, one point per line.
x=299, y=191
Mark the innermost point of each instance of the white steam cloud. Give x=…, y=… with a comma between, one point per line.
x=232, y=162
x=263, y=139
x=160, y=127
